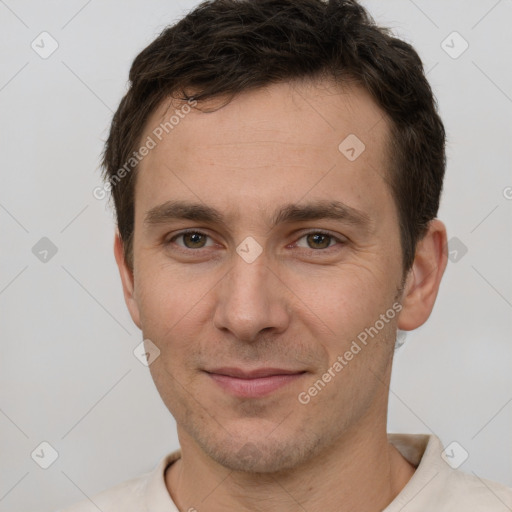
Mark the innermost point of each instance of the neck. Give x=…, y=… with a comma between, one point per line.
x=362, y=471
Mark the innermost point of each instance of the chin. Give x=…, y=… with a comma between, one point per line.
x=262, y=454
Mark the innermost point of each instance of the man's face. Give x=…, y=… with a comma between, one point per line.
x=263, y=164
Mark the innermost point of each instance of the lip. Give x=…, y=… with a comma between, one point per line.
x=253, y=383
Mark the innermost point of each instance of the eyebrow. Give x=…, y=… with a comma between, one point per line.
x=316, y=210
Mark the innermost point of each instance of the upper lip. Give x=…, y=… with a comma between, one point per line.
x=253, y=374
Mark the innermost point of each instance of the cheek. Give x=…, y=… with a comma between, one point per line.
x=346, y=298
x=166, y=295
x=176, y=311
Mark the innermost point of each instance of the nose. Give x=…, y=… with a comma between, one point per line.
x=251, y=299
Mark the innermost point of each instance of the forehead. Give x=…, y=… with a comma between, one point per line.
x=304, y=113
x=280, y=142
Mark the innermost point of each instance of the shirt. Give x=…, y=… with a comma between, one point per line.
x=434, y=487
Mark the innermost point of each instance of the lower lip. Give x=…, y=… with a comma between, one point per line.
x=253, y=388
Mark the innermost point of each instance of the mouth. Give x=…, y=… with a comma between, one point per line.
x=253, y=383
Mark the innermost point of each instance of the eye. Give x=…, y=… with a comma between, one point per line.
x=191, y=239
x=317, y=240
x=314, y=240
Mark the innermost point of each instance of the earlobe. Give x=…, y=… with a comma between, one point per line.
x=424, y=278
x=127, y=280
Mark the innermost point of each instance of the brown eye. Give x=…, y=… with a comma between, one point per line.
x=194, y=240
x=318, y=240
x=191, y=240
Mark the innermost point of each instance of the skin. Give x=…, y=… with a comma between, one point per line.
x=299, y=305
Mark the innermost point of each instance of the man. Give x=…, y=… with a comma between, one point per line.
x=276, y=168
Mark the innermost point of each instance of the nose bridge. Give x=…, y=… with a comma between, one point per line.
x=250, y=299
x=249, y=279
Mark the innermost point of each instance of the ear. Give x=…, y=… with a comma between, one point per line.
x=127, y=280
x=424, y=278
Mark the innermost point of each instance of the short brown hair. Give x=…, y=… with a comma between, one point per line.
x=225, y=47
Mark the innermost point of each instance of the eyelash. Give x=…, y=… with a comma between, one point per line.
x=312, y=232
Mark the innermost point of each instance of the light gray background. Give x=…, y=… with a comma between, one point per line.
x=68, y=374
